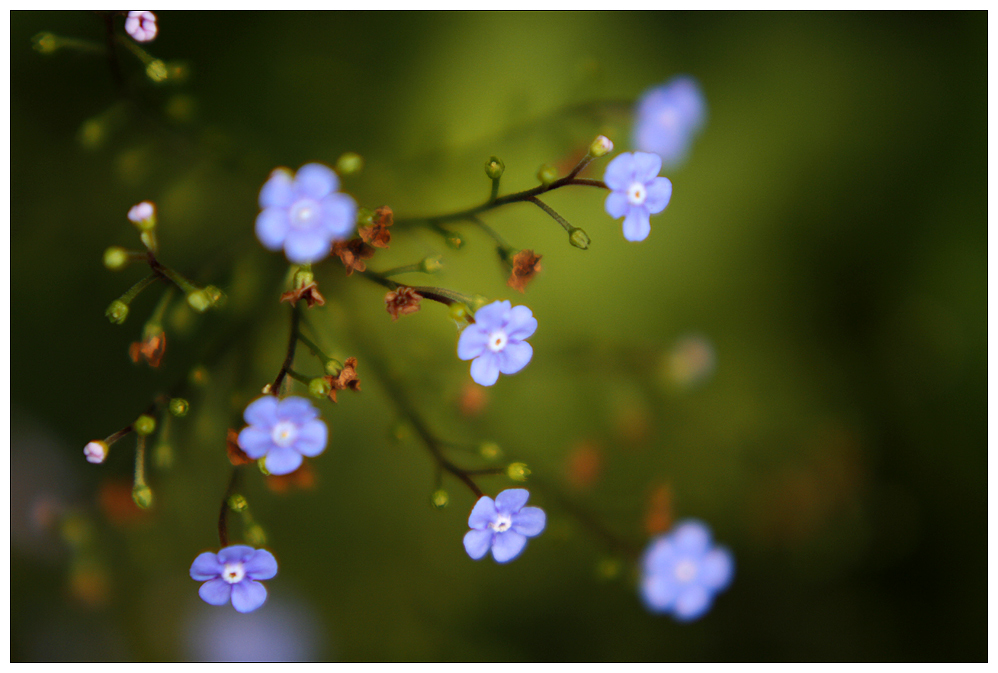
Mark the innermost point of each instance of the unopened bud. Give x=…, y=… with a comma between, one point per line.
x=179, y=407
x=602, y=145
x=547, y=174
x=431, y=264
x=96, y=451
x=333, y=367
x=518, y=471
x=157, y=71
x=440, y=498
x=117, y=312
x=460, y=313
x=454, y=240
x=349, y=163
x=45, y=43
x=494, y=168
x=255, y=535
x=142, y=495
x=237, y=503
x=199, y=300
x=143, y=215
x=215, y=296
x=319, y=387
x=579, y=238
x=144, y=424
x=490, y=450
x=115, y=258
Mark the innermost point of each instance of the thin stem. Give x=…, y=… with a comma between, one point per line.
x=156, y=318
x=298, y=376
x=223, y=513
x=290, y=356
x=140, y=461
x=112, y=53
x=408, y=268
x=495, y=190
x=316, y=351
x=550, y=211
x=161, y=269
x=491, y=232
x=134, y=290
x=589, y=521
x=438, y=294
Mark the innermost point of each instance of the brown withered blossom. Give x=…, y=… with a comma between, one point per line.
x=402, y=301
x=377, y=234
x=525, y=265
x=151, y=349
x=303, y=478
x=347, y=378
x=310, y=293
x=353, y=253
x=236, y=455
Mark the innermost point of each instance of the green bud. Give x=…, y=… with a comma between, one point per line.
x=144, y=424
x=579, y=238
x=157, y=71
x=602, y=145
x=45, y=43
x=117, y=312
x=453, y=240
x=237, y=503
x=199, y=300
x=440, y=499
x=163, y=456
x=319, y=387
x=460, y=313
x=494, y=168
x=142, y=495
x=115, y=258
x=179, y=407
x=547, y=174
x=349, y=163
x=333, y=366
x=518, y=471
x=365, y=217
x=255, y=536
x=431, y=264
x=262, y=464
x=490, y=450
x=215, y=295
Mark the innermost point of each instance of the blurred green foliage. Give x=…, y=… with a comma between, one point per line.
x=827, y=238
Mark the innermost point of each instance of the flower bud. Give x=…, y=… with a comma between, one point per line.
x=460, y=313
x=144, y=424
x=349, y=163
x=547, y=174
x=333, y=367
x=494, y=168
x=319, y=387
x=490, y=450
x=440, y=498
x=142, y=495
x=518, y=471
x=96, y=451
x=143, y=215
x=431, y=264
x=602, y=145
x=199, y=300
x=179, y=407
x=579, y=238
x=157, y=71
x=117, y=312
x=115, y=258
x=237, y=503
x=45, y=43
x=255, y=536
x=215, y=296
x=453, y=240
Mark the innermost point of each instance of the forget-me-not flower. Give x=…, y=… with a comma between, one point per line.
x=669, y=117
x=283, y=431
x=636, y=191
x=495, y=342
x=303, y=213
x=141, y=25
x=233, y=574
x=682, y=571
x=502, y=525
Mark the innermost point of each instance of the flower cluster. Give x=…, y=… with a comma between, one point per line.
x=669, y=117
x=233, y=574
x=636, y=192
x=681, y=571
x=283, y=431
x=496, y=341
x=503, y=525
x=141, y=25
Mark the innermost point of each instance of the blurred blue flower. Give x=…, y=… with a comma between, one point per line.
x=232, y=574
x=303, y=213
x=668, y=118
x=502, y=525
x=636, y=191
x=283, y=431
x=681, y=572
x=496, y=341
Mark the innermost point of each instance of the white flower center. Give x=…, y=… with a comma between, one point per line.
x=636, y=193
x=304, y=213
x=686, y=570
x=233, y=573
x=497, y=341
x=284, y=434
x=502, y=523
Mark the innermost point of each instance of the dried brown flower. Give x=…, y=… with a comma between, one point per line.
x=303, y=478
x=151, y=349
x=525, y=265
x=353, y=253
x=402, y=301
x=377, y=234
x=347, y=378
x=310, y=293
x=236, y=455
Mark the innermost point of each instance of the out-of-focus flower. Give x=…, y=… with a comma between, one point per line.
x=637, y=192
x=525, y=265
x=691, y=361
x=95, y=451
x=288, y=630
x=233, y=574
x=232, y=449
x=402, y=301
x=496, y=341
x=303, y=213
x=151, y=349
x=669, y=117
x=502, y=525
x=310, y=293
x=141, y=25
x=283, y=431
x=682, y=571
x=142, y=212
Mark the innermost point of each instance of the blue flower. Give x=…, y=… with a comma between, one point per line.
x=303, y=213
x=637, y=193
x=668, y=118
x=496, y=341
x=232, y=574
x=681, y=572
x=283, y=431
x=502, y=525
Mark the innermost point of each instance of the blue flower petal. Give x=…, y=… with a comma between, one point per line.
x=515, y=356
x=248, y=595
x=693, y=602
x=282, y=460
x=215, y=592
x=206, y=567
x=298, y=410
x=691, y=537
x=636, y=225
x=659, y=193
x=507, y=546
x=262, y=412
x=305, y=247
x=272, y=227
x=255, y=442
x=521, y=324
x=660, y=557
x=511, y=500
x=477, y=543
x=529, y=521
x=493, y=316
x=659, y=592
x=616, y=204
x=716, y=569
x=261, y=566
x=482, y=514
x=235, y=553
x=646, y=166
x=619, y=173
x=278, y=191
x=312, y=437
x=316, y=181
x=339, y=215
x=485, y=369
x=472, y=342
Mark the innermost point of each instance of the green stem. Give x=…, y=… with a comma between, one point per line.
x=297, y=376
x=408, y=268
x=316, y=351
x=290, y=356
x=550, y=211
x=140, y=461
x=134, y=290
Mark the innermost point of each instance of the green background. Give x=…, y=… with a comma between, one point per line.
x=827, y=237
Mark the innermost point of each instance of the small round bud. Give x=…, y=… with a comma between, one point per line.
x=255, y=536
x=454, y=240
x=142, y=495
x=115, y=258
x=157, y=71
x=602, y=145
x=518, y=471
x=144, y=424
x=365, y=217
x=494, y=168
x=440, y=498
x=45, y=43
x=179, y=407
x=547, y=174
x=460, y=313
x=215, y=296
x=96, y=451
x=490, y=450
x=117, y=312
x=237, y=503
x=579, y=238
x=319, y=387
x=163, y=456
x=431, y=264
x=199, y=300
x=349, y=163
x=333, y=367
x=143, y=215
